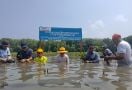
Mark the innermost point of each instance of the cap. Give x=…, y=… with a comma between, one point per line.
x=23, y=45
x=5, y=43
x=116, y=36
x=40, y=50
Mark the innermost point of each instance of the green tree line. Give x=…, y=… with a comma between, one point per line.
x=71, y=46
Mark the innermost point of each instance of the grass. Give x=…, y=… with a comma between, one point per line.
x=72, y=55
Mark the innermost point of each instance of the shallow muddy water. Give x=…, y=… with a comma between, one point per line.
x=76, y=76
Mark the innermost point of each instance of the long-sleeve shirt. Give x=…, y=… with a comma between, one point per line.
x=64, y=59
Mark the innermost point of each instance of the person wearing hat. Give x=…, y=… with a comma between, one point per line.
x=62, y=57
x=24, y=54
x=62, y=60
x=5, y=55
x=123, y=53
x=40, y=58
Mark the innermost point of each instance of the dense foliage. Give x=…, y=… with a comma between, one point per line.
x=71, y=46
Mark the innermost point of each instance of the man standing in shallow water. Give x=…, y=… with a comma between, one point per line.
x=92, y=56
x=123, y=54
x=25, y=54
x=63, y=60
x=5, y=54
x=62, y=57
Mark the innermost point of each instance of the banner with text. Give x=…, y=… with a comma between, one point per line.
x=56, y=33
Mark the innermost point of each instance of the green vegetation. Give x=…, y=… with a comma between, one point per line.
x=72, y=55
x=72, y=46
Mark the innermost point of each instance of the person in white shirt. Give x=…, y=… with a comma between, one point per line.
x=123, y=54
x=62, y=57
x=62, y=60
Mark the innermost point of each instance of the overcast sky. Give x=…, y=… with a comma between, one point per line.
x=97, y=18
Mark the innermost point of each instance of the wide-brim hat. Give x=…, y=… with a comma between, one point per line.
x=62, y=50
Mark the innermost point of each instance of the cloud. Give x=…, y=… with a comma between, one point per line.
x=96, y=29
x=97, y=25
x=121, y=18
x=100, y=29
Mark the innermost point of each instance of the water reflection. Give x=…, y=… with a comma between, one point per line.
x=76, y=75
x=3, y=71
x=124, y=74
x=63, y=69
x=41, y=71
x=97, y=76
x=25, y=69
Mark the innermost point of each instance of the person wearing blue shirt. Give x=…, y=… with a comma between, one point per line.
x=5, y=54
x=92, y=56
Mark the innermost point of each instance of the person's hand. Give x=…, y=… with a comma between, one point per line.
x=9, y=57
x=87, y=61
x=28, y=60
x=90, y=61
x=23, y=60
x=107, y=58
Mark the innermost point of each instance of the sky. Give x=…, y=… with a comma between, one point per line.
x=98, y=18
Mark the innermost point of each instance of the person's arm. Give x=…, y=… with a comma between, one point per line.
x=8, y=51
x=45, y=60
x=85, y=59
x=9, y=54
x=57, y=60
x=68, y=61
x=119, y=55
x=116, y=57
x=18, y=56
x=30, y=54
x=97, y=58
x=30, y=58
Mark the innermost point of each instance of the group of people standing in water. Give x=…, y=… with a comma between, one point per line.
x=123, y=54
x=26, y=55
